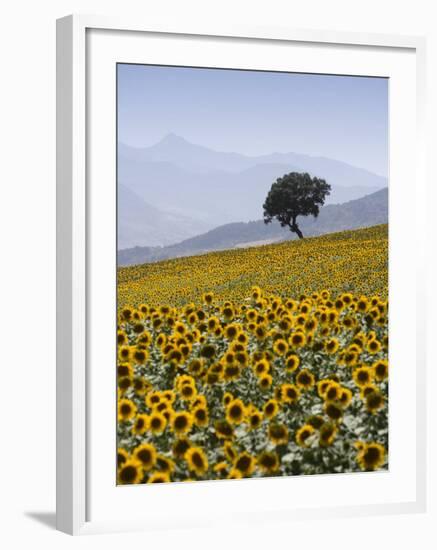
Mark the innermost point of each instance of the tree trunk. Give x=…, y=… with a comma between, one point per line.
x=295, y=228
x=298, y=232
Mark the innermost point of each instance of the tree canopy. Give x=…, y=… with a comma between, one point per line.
x=295, y=194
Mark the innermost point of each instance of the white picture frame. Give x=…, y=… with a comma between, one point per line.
x=74, y=278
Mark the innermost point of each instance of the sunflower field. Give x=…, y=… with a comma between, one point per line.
x=267, y=361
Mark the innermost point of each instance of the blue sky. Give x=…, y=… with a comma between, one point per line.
x=254, y=113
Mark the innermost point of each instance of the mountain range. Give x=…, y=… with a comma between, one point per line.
x=366, y=211
x=178, y=189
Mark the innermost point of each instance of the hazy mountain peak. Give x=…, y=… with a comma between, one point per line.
x=172, y=139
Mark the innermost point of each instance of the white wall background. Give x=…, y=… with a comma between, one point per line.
x=27, y=306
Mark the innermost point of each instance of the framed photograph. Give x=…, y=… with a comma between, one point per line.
x=240, y=275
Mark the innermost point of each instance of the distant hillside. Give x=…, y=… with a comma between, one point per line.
x=138, y=220
x=364, y=212
x=212, y=187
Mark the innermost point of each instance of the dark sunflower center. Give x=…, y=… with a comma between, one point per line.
x=243, y=463
x=197, y=460
x=235, y=411
x=155, y=423
x=125, y=409
x=304, y=379
x=123, y=370
x=145, y=456
x=181, y=422
x=371, y=455
x=128, y=474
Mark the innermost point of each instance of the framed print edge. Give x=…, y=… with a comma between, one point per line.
x=71, y=174
x=71, y=278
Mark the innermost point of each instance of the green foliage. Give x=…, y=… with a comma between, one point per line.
x=295, y=195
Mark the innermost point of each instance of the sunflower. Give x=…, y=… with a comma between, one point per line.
x=348, y=358
x=316, y=421
x=228, y=312
x=305, y=380
x=362, y=376
x=126, y=313
x=200, y=416
x=231, y=372
x=141, y=386
x=139, y=356
x=327, y=434
x=268, y=461
x=161, y=340
x=159, y=477
x=208, y=351
x=345, y=397
x=271, y=408
x=229, y=451
x=261, y=367
x=221, y=469
x=121, y=337
x=241, y=357
x=297, y=339
x=182, y=380
x=168, y=396
x=255, y=419
x=126, y=409
x=292, y=362
x=265, y=381
x=260, y=332
x=124, y=353
x=122, y=456
x=323, y=385
x=362, y=304
x=182, y=422
x=124, y=370
x=278, y=434
x=180, y=447
x=235, y=474
x=380, y=370
x=141, y=424
x=144, y=336
x=332, y=346
x=289, y=393
x=332, y=391
x=235, y=411
x=153, y=398
x=374, y=401
x=245, y=463
x=223, y=429
x=231, y=331
x=303, y=434
x=130, y=472
x=145, y=454
x=197, y=460
x=164, y=464
x=334, y=410
x=188, y=392
x=373, y=346
x=280, y=347
x=157, y=422
x=370, y=456
x=227, y=398
x=124, y=383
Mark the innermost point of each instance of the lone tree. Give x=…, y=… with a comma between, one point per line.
x=295, y=195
